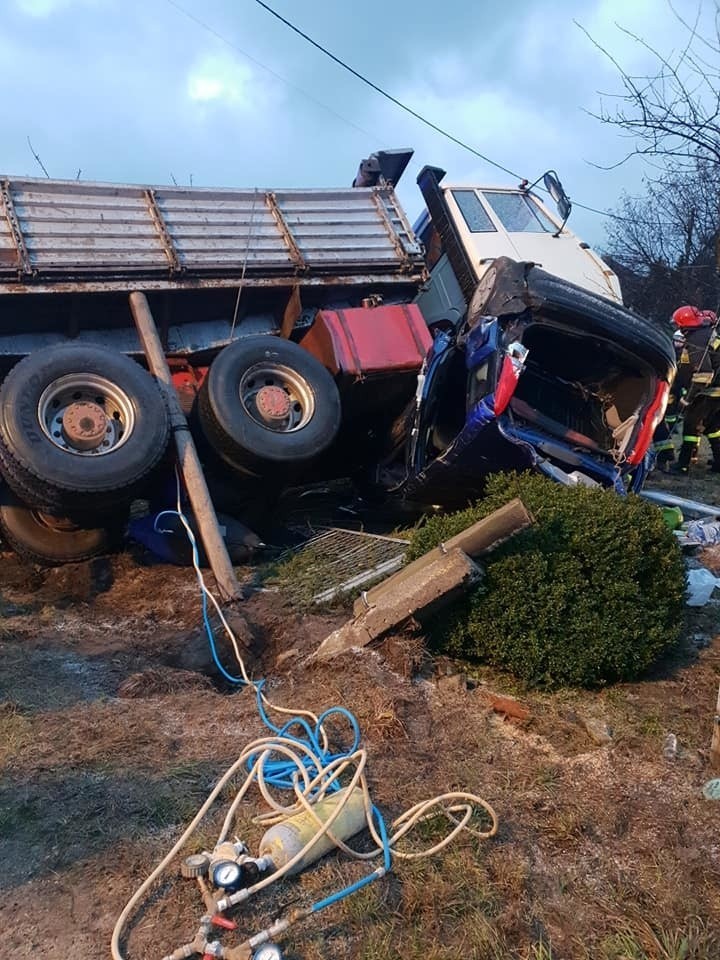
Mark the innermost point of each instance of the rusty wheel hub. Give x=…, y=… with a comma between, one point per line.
x=84, y=425
x=273, y=404
x=276, y=396
x=86, y=414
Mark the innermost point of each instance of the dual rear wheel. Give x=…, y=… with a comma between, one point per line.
x=268, y=407
x=83, y=428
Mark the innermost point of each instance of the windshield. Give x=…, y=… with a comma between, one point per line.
x=518, y=213
x=473, y=211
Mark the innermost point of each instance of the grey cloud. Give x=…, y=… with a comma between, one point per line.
x=105, y=87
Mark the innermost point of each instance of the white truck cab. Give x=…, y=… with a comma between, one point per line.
x=498, y=221
x=475, y=225
x=535, y=362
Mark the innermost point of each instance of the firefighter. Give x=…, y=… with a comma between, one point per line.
x=697, y=385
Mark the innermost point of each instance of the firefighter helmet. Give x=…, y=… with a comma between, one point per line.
x=687, y=317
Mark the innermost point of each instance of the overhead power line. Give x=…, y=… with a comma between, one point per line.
x=388, y=96
x=414, y=113
x=368, y=82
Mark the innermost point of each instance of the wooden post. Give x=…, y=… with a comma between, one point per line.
x=480, y=538
x=428, y=588
x=715, y=742
x=192, y=472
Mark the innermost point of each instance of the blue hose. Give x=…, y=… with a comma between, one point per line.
x=282, y=774
x=364, y=881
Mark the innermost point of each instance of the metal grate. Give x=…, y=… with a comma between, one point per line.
x=337, y=561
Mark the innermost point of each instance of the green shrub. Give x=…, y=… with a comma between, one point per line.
x=593, y=592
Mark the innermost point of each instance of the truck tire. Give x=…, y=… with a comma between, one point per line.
x=81, y=428
x=51, y=541
x=265, y=403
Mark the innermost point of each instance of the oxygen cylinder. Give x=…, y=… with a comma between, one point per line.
x=284, y=840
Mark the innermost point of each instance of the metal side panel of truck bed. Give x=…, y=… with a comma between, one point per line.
x=56, y=235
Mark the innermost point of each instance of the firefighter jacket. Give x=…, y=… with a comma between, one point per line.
x=698, y=362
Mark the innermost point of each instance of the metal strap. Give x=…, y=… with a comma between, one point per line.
x=402, y=253
x=24, y=264
x=244, y=266
x=293, y=249
x=422, y=351
x=347, y=330
x=162, y=231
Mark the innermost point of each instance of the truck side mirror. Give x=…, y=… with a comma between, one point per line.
x=555, y=189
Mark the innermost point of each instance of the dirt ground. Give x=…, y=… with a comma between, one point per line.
x=112, y=733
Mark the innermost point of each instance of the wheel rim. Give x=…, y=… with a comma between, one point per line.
x=61, y=525
x=86, y=414
x=277, y=397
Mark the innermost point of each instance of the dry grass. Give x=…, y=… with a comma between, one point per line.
x=605, y=852
x=641, y=940
x=162, y=681
x=15, y=731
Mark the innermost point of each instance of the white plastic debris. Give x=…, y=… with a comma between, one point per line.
x=701, y=584
x=711, y=790
x=582, y=479
x=703, y=531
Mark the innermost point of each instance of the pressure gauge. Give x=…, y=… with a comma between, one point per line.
x=226, y=874
x=268, y=951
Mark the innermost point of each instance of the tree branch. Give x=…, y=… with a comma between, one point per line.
x=41, y=164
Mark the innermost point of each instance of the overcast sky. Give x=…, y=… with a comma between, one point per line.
x=138, y=91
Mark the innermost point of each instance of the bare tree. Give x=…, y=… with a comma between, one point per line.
x=663, y=244
x=674, y=110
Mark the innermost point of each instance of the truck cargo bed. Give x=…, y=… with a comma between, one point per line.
x=57, y=234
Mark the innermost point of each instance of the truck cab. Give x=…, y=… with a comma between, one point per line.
x=475, y=225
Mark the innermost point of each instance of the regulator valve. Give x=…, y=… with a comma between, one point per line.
x=195, y=866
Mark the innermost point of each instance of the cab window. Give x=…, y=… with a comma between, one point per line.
x=517, y=213
x=473, y=211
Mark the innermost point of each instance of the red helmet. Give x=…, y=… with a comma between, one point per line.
x=688, y=317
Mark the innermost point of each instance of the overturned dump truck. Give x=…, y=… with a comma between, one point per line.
x=311, y=335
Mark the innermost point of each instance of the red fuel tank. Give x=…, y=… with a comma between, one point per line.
x=363, y=341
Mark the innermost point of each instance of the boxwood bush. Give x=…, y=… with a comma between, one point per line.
x=593, y=593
